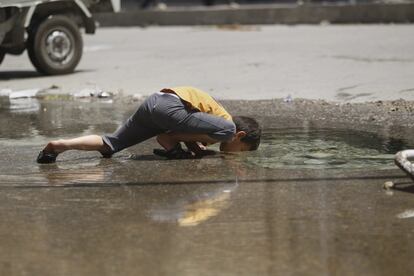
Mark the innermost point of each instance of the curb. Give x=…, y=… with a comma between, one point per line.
x=264, y=14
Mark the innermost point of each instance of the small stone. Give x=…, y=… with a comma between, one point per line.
x=84, y=93
x=234, y=5
x=104, y=95
x=324, y=23
x=388, y=185
x=162, y=6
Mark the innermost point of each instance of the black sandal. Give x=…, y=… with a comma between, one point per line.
x=106, y=154
x=46, y=157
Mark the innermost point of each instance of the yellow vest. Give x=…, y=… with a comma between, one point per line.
x=199, y=100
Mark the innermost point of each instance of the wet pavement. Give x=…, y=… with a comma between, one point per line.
x=315, y=210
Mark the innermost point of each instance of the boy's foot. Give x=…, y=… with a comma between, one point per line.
x=46, y=157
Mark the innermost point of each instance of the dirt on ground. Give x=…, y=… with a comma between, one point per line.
x=394, y=116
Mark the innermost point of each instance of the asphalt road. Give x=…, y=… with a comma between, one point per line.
x=337, y=63
x=226, y=214
x=251, y=213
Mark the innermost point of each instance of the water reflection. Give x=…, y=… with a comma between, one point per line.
x=196, y=208
x=30, y=117
x=89, y=171
x=27, y=105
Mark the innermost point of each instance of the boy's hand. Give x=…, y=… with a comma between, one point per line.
x=199, y=149
x=176, y=153
x=170, y=139
x=171, y=143
x=195, y=151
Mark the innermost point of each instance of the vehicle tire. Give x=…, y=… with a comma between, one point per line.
x=2, y=55
x=55, y=46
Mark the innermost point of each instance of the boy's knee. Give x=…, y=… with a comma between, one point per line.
x=230, y=129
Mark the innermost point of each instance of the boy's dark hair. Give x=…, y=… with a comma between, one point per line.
x=252, y=129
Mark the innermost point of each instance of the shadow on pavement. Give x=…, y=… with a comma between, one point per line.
x=10, y=75
x=407, y=187
x=24, y=74
x=199, y=182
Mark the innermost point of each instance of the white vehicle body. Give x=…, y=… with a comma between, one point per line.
x=21, y=19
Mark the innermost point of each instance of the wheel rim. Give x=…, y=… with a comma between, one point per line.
x=59, y=47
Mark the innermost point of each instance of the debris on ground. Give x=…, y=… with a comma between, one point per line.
x=137, y=97
x=86, y=93
x=92, y=92
x=5, y=92
x=28, y=93
x=238, y=27
x=288, y=99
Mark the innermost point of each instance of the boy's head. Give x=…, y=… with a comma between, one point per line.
x=247, y=135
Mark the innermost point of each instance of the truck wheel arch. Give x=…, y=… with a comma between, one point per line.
x=73, y=9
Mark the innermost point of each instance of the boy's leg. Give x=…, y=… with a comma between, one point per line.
x=192, y=127
x=171, y=114
x=54, y=148
x=136, y=129
x=132, y=132
x=127, y=135
x=87, y=143
x=217, y=128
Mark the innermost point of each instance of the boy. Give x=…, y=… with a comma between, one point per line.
x=174, y=115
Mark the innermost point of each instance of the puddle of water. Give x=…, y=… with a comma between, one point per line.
x=27, y=105
x=32, y=122
x=35, y=121
x=325, y=149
